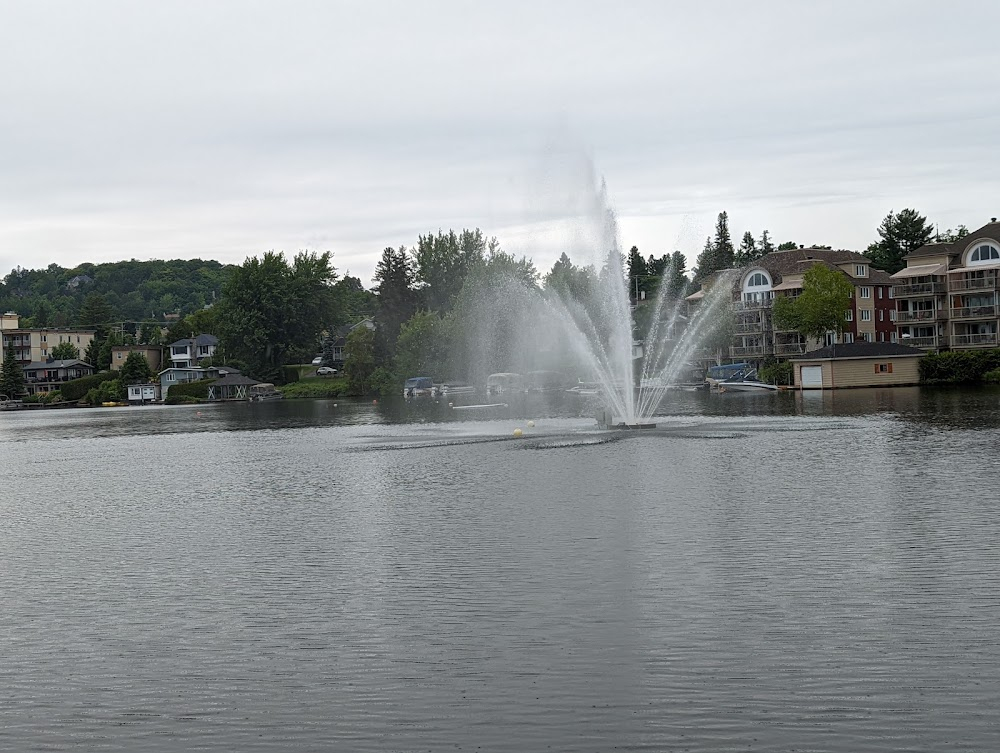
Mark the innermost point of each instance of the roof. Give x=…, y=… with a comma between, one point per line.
x=234, y=380
x=988, y=232
x=920, y=270
x=67, y=363
x=860, y=350
x=197, y=340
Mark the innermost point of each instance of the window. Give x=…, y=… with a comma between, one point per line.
x=881, y=315
x=757, y=280
x=984, y=254
x=891, y=293
x=893, y=337
x=866, y=315
x=868, y=336
x=892, y=315
x=848, y=337
x=849, y=316
x=118, y=355
x=883, y=368
x=879, y=292
x=860, y=270
x=866, y=292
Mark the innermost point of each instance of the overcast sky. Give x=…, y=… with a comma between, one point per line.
x=228, y=128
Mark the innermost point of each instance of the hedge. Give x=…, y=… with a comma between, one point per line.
x=958, y=366
x=77, y=389
x=198, y=390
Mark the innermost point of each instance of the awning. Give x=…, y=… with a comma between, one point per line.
x=921, y=270
x=794, y=285
x=976, y=268
x=696, y=296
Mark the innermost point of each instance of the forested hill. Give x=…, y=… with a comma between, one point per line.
x=134, y=290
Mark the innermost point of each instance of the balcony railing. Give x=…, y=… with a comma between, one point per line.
x=920, y=342
x=973, y=283
x=924, y=315
x=974, y=312
x=752, y=305
x=989, y=338
x=789, y=349
x=748, y=328
x=918, y=288
x=742, y=351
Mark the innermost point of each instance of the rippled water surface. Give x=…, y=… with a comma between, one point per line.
x=761, y=572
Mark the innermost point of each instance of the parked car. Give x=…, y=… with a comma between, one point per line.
x=326, y=371
x=317, y=360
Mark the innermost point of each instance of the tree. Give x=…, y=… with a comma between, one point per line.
x=950, y=236
x=359, y=360
x=441, y=263
x=42, y=316
x=149, y=334
x=822, y=306
x=899, y=235
x=271, y=307
x=96, y=314
x=571, y=281
x=706, y=263
x=747, y=253
x=135, y=370
x=677, y=281
x=766, y=245
x=66, y=351
x=397, y=301
x=11, y=375
x=421, y=349
x=788, y=246
x=638, y=273
x=724, y=252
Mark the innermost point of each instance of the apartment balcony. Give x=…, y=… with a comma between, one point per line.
x=917, y=289
x=974, y=312
x=924, y=315
x=969, y=341
x=921, y=342
x=974, y=283
x=747, y=351
x=789, y=349
x=748, y=328
x=752, y=305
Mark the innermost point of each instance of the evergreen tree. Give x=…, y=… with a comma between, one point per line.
x=899, y=235
x=788, y=246
x=677, y=281
x=747, y=253
x=43, y=315
x=397, y=300
x=135, y=370
x=706, y=262
x=766, y=245
x=724, y=251
x=11, y=375
x=638, y=274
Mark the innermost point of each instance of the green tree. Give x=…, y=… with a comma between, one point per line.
x=96, y=314
x=11, y=375
x=397, y=301
x=677, y=281
x=571, y=281
x=788, y=246
x=271, y=307
x=822, y=306
x=766, y=245
x=422, y=347
x=723, y=242
x=149, y=334
x=42, y=316
x=747, y=253
x=899, y=235
x=359, y=360
x=707, y=261
x=441, y=263
x=135, y=370
x=638, y=274
x=66, y=351
x=950, y=236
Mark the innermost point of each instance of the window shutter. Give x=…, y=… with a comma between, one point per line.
x=890, y=367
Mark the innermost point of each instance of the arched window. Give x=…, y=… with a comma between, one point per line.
x=757, y=288
x=757, y=279
x=985, y=253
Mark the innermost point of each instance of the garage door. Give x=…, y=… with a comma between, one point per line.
x=812, y=376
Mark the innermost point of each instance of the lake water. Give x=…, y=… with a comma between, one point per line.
x=768, y=572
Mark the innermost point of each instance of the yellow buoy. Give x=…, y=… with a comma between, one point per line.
x=531, y=424
x=518, y=432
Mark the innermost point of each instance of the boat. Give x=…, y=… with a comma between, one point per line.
x=7, y=403
x=718, y=374
x=419, y=387
x=504, y=382
x=746, y=381
x=263, y=392
x=585, y=388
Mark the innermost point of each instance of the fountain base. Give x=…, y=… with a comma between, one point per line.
x=606, y=420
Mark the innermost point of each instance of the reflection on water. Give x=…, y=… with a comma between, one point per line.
x=786, y=571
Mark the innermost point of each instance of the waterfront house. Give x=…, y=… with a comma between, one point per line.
x=152, y=353
x=947, y=295
x=48, y=376
x=231, y=387
x=181, y=375
x=190, y=352
x=857, y=364
x=144, y=393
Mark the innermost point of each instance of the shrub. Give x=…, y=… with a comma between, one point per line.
x=289, y=374
x=992, y=376
x=180, y=400
x=108, y=391
x=776, y=373
x=78, y=388
x=197, y=390
x=958, y=366
x=316, y=388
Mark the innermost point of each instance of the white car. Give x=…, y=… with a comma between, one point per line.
x=317, y=360
x=325, y=371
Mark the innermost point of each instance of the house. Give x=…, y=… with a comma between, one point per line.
x=339, y=338
x=188, y=353
x=781, y=273
x=181, y=375
x=144, y=393
x=32, y=345
x=152, y=353
x=231, y=387
x=857, y=364
x=947, y=295
x=48, y=376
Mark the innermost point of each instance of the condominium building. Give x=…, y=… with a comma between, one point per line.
x=757, y=336
x=32, y=345
x=947, y=295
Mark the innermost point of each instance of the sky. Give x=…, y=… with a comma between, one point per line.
x=224, y=129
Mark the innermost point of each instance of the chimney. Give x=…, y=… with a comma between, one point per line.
x=802, y=245
x=993, y=219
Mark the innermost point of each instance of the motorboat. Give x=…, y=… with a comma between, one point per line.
x=746, y=381
x=504, y=383
x=263, y=392
x=419, y=387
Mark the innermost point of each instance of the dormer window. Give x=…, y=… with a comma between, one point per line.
x=985, y=253
x=860, y=270
x=757, y=288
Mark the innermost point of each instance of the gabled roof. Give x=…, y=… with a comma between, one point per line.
x=859, y=350
x=988, y=232
x=196, y=340
x=234, y=380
